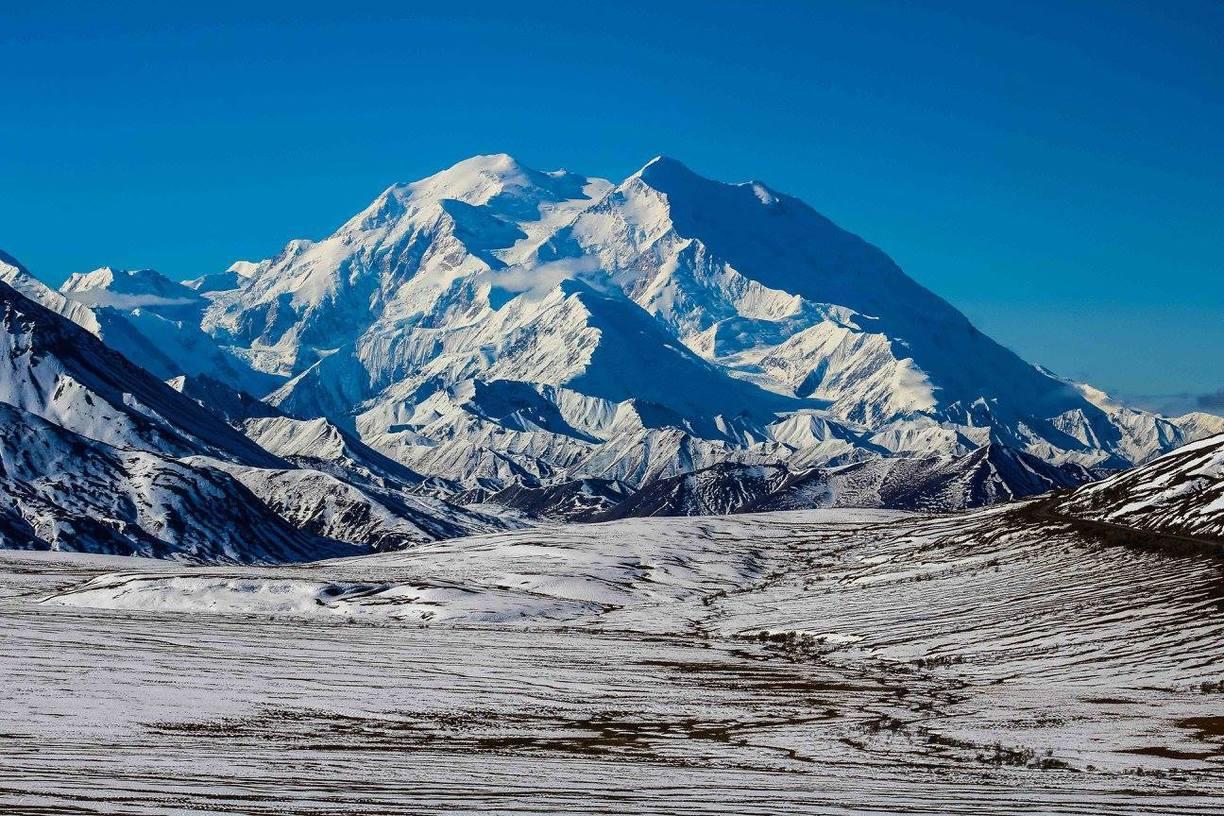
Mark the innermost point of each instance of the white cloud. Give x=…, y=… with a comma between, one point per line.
x=98, y=297
x=537, y=281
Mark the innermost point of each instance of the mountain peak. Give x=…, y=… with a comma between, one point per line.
x=474, y=178
x=8, y=260
x=246, y=269
x=677, y=292
x=668, y=175
x=100, y=278
x=664, y=168
x=498, y=179
x=493, y=161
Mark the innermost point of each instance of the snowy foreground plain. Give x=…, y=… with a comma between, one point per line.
x=818, y=661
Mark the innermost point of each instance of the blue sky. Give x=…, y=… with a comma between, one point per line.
x=1055, y=171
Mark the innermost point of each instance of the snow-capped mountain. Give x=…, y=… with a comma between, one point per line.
x=1180, y=493
x=98, y=455
x=571, y=348
x=134, y=289
x=421, y=252
x=236, y=276
x=424, y=325
x=60, y=490
x=337, y=486
x=166, y=317
x=143, y=315
x=57, y=370
x=498, y=325
x=764, y=286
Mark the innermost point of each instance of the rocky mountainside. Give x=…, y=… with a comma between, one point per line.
x=57, y=370
x=61, y=490
x=575, y=500
x=719, y=490
x=988, y=475
x=98, y=455
x=1180, y=493
x=985, y=476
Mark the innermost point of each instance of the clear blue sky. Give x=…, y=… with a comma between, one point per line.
x=1057, y=171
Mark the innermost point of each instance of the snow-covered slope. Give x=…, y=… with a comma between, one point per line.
x=940, y=484
x=576, y=500
x=55, y=369
x=309, y=443
x=235, y=277
x=414, y=254
x=495, y=325
x=106, y=458
x=760, y=283
x=18, y=277
x=986, y=476
x=714, y=491
x=225, y=402
x=63, y=491
x=829, y=662
x=338, y=486
x=148, y=318
x=165, y=318
x=335, y=503
x=424, y=325
x=133, y=289
x=1180, y=493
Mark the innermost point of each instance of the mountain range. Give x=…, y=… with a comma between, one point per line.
x=560, y=345
x=98, y=455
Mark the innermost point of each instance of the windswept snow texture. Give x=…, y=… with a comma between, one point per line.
x=804, y=662
x=1181, y=493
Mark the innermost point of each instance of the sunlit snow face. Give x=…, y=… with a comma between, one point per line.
x=763, y=194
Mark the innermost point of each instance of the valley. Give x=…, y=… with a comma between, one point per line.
x=827, y=661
